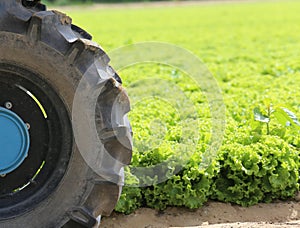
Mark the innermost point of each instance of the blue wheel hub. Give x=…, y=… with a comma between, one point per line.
x=14, y=141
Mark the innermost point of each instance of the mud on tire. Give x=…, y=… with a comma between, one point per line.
x=43, y=54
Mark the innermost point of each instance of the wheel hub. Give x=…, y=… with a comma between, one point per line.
x=14, y=141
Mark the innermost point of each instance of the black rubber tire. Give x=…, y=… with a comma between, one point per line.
x=46, y=43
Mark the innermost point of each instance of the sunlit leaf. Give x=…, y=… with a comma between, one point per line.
x=292, y=116
x=286, y=117
x=258, y=116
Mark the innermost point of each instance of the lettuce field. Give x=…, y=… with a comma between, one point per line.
x=253, y=52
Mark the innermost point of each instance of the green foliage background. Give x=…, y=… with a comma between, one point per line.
x=72, y=2
x=252, y=49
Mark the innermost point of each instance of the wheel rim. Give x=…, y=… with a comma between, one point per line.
x=47, y=146
x=14, y=141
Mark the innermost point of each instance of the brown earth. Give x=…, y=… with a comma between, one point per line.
x=211, y=215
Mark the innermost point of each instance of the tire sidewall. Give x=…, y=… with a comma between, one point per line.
x=57, y=71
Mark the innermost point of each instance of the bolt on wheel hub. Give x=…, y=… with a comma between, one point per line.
x=14, y=141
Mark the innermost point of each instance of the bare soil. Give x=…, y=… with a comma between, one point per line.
x=211, y=215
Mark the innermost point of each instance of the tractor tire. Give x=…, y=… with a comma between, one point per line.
x=43, y=57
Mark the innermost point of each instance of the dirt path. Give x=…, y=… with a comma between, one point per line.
x=213, y=214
